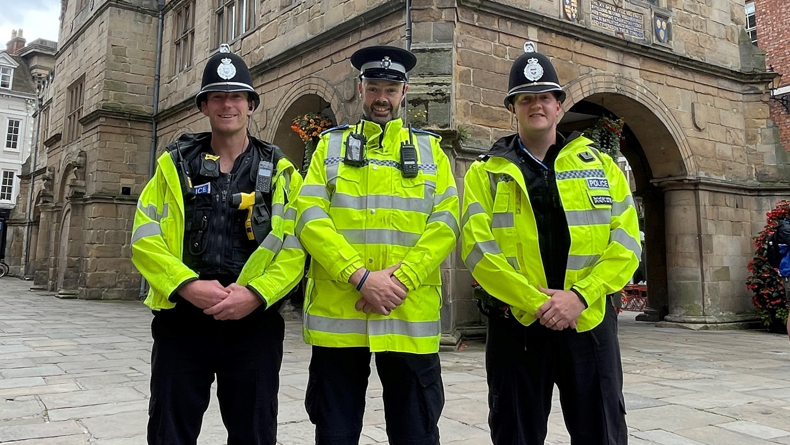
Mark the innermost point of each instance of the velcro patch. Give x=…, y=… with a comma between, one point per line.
x=597, y=183
x=203, y=189
x=598, y=200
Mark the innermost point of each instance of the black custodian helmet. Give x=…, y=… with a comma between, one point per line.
x=383, y=62
x=226, y=72
x=533, y=73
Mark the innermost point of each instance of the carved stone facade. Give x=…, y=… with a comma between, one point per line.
x=699, y=137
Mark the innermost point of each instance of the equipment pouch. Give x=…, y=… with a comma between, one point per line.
x=261, y=222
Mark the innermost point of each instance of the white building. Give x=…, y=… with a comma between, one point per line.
x=17, y=124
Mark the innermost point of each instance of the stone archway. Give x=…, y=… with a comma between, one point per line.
x=285, y=138
x=655, y=148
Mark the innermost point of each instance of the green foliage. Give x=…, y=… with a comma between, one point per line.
x=607, y=134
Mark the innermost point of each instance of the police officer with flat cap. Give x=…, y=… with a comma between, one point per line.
x=550, y=229
x=213, y=236
x=378, y=214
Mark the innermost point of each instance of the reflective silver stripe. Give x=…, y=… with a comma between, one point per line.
x=513, y=262
x=412, y=329
x=474, y=208
x=335, y=325
x=287, y=176
x=147, y=229
x=449, y=193
x=502, y=220
x=290, y=214
x=622, y=237
x=446, y=217
x=426, y=153
x=151, y=212
x=308, y=215
x=579, y=262
x=277, y=209
x=292, y=242
x=333, y=154
x=619, y=207
x=272, y=242
x=315, y=191
x=588, y=217
x=380, y=236
x=581, y=174
x=477, y=252
x=341, y=200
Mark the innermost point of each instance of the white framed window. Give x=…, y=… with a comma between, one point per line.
x=751, y=22
x=184, y=38
x=76, y=96
x=12, y=134
x=234, y=18
x=6, y=77
x=7, y=185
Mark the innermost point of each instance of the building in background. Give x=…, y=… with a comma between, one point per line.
x=704, y=155
x=771, y=25
x=24, y=69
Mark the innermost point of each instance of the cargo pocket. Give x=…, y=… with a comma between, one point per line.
x=431, y=395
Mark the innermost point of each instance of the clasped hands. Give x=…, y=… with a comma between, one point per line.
x=223, y=303
x=561, y=311
x=381, y=291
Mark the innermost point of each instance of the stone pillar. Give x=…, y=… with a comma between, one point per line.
x=655, y=246
x=43, y=257
x=708, y=247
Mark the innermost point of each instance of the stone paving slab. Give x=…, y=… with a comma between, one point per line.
x=76, y=372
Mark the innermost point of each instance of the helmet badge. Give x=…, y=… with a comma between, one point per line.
x=533, y=71
x=226, y=70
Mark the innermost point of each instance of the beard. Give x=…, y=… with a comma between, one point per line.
x=381, y=118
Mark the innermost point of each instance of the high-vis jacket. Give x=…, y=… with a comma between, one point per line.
x=372, y=216
x=272, y=270
x=500, y=238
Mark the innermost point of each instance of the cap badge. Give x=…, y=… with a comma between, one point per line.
x=226, y=70
x=386, y=62
x=533, y=71
x=529, y=47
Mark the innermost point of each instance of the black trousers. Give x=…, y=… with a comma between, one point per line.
x=413, y=395
x=524, y=363
x=190, y=348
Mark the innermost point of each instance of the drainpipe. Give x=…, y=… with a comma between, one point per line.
x=29, y=222
x=408, y=25
x=157, y=74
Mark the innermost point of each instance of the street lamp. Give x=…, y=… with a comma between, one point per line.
x=781, y=95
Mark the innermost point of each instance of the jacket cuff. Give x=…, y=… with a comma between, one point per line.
x=258, y=294
x=581, y=297
x=346, y=273
x=404, y=278
x=174, y=297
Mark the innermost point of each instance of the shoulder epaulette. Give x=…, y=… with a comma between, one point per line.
x=339, y=127
x=483, y=157
x=420, y=130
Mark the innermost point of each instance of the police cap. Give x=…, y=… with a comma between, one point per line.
x=533, y=73
x=383, y=62
x=226, y=72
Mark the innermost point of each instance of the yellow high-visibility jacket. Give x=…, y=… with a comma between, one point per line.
x=272, y=270
x=371, y=216
x=500, y=239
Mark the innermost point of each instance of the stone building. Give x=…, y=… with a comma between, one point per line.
x=693, y=91
x=23, y=68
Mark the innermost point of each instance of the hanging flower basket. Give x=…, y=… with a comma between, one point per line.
x=764, y=281
x=309, y=128
x=607, y=134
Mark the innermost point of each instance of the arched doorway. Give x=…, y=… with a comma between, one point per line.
x=648, y=152
x=287, y=139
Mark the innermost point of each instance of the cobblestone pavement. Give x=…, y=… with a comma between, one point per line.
x=76, y=372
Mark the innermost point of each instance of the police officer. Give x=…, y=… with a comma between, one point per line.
x=378, y=213
x=549, y=230
x=213, y=235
